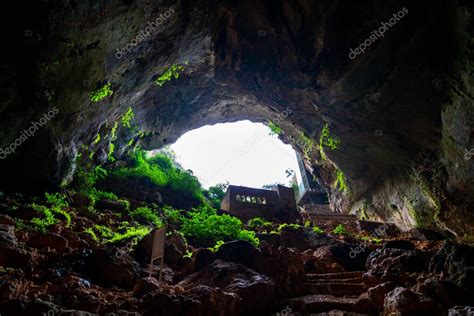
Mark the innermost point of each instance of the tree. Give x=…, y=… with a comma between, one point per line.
x=216, y=193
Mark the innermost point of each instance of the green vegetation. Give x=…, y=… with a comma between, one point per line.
x=318, y=230
x=274, y=128
x=97, y=195
x=306, y=144
x=113, y=137
x=292, y=226
x=216, y=193
x=85, y=182
x=127, y=117
x=161, y=171
x=340, y=230
x=205, y=227
x=259, y=223
x=101, y=93
x=216, y=247
x=56, y=205
x=172, y=72
x=249, y=236
x=96, y=139
x=374, y=240
x=307, y=224
x=129, y=233
x=341, y=183
x=48, y=219
x=104, y=234
x=147, y=214
x=173, y=217
x=188, y=254
x=327, y=140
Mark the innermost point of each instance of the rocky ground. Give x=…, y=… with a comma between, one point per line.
x=295, y=272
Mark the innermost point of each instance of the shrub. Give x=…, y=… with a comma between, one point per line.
x=292, y=226
x=130, y=232
x=56, y=200
x=249, y=236
x=206, y=227
x=216, y=193
x=341, y=183
x=57, y=203
x=172, y=71
x=327, y=140
x=340, y=230
x=216, y=247
x=125, y=203
x=161, y=171
x=104, y=234
x=172, y=217
x=147, y=214
x=318, y=230
x=274, y=128
x=127, y=117
x=97, y=195
x=258, y=222
x=101, y=93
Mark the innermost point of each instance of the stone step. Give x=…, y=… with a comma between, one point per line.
x=326, y=303
x=335, y=275
x=339, y=281
x=335, y=289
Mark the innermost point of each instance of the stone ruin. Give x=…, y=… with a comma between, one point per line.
x=278, y=205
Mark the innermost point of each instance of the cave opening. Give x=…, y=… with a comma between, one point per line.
x=240, y=153
x=365, y=208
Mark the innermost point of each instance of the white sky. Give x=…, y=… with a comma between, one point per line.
x=242, y=153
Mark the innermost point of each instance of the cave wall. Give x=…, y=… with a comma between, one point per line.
x=402, y=110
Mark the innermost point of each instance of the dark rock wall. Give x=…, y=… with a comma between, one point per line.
x=402, y=110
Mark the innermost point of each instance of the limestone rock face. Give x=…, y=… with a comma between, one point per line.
x=402, y=109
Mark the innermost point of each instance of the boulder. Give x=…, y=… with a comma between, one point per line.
x=145, y=285
x=204, y=257
x=284, y=265
x=256, y=290
x=457, y=263
x=81, y=200
x=238, y=251
x=376, y=295
x=445, y=292
x=108, y=268
x=11, y=253
x=48, y=240
x=402, y=301
x=199, y=300
x=172, y=255
x=390, y=264
x=351, y=257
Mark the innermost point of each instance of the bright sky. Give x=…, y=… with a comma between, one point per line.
x=242, y=153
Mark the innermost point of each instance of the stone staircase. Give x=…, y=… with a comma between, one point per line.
x=343, y=291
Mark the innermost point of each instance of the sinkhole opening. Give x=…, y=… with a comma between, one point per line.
x=241, y=153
